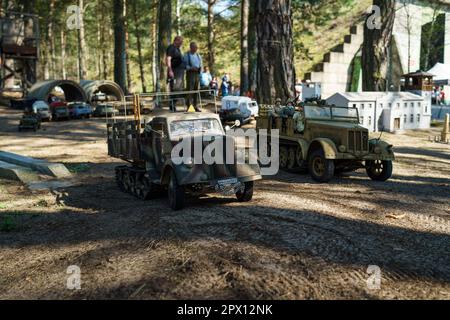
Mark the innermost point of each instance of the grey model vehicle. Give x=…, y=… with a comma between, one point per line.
x=148, y=148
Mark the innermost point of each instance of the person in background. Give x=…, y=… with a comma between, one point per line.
x=214, y=86
x=205, y=78
x=442, y=93
x=225, y=87
x=438, y=96
x=193, y=62
x=175, y=69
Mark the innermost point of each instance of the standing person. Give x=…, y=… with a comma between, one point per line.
x=193, y=62
x=438, y=97
x=175, y=69
x=225, y=87
x=205, y=78
x=214, y=86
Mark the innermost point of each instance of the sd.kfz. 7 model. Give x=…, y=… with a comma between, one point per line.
x=148, y=148
x=326, y=140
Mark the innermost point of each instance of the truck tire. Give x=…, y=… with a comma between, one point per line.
x=320, y=168
x=379, y=170
x=247, y=194
x=176, y=193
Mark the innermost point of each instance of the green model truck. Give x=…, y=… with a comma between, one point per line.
x=148, y=147
x=326, y=140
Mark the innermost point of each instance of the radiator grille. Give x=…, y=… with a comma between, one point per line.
x=358, y=141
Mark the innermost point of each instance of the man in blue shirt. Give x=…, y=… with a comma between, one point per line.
x=193, y=62
x=205, y=78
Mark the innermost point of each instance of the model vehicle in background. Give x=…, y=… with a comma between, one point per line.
x=43, y=110
x=326, y=140
x=79, y=110
x=60, y=111
x=104, y=110
x=30, y=121
x=148, y=147
x=242, y=109
x=309, y=91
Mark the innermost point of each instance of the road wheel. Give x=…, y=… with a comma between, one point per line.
x=379, y=170
x=119, y=179
x=245, y=195
x=291, y=158
x=284, y=155
x=176, y=193
x=299, y=158
x=320, y=168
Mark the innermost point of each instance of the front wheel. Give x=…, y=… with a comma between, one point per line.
x=379, y=170
x=176, y=194
x=320, y=168
x=246, y=194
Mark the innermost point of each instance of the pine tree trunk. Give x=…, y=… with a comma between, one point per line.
x=51, y=40
x=127, y=45
x=211, y=37
x=164, y=39
x=63, y=54
x=120, y=72
x=139, y=47
x=155, y=61
x=81, y=43
x=252, y=47
x=244, y=46
x=104, y=53
x=375, y=53
x=276, y=74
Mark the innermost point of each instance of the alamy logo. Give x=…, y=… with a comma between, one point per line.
x=242, y=147
x=374, y=20
x=75, y=13
x=374, y=280
x=74, y=279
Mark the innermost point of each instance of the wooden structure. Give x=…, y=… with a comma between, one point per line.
x=418, y=81
x=19, y=51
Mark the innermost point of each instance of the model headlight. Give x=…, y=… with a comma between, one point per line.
x=342, y=149
x=189, y=162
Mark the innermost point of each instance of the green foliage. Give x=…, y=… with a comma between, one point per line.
x=319, y=25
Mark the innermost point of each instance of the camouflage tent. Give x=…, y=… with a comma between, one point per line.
x=72, y=91
x=110, y=88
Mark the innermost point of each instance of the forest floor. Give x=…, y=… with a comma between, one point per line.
x=296, y=240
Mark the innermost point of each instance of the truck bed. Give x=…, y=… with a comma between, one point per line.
x=125, y=140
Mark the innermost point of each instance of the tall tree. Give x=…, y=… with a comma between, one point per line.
x=245, y=11
x=276, y=74
x=155, y=60
x=82, y=71
x=211, y=36
x=164, y=38
x=252, y=47
x=377, y=41
x=137, y=34
x=120, y=68
x=127, y=43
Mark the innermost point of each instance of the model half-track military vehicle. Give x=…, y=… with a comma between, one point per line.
x=326, y=140
x=30, y=121
x=153, y=170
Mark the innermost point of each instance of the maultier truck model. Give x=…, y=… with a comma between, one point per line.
x=148, y=148
x=326, y=140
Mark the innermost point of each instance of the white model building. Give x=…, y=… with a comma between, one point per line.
x=392, y=111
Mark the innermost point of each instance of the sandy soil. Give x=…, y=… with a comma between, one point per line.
x=296, y=240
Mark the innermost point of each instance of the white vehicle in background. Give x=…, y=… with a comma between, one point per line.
x=309, y=91
x=242, y=109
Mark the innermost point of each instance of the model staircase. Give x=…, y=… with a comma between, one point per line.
x=335, y=71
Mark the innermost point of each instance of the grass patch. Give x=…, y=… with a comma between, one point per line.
x=3, y=205
x=7, y=224
x=77, y=167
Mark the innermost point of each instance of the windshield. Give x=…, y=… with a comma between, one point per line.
x=184, y=128
x=331, y=113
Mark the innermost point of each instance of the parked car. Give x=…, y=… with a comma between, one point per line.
x=238, y=108
x=60, y=111
x=43, y=110
x=80, y=110
x=31, y=121
x=104, y=110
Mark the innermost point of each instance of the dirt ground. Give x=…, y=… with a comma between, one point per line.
x=296, y=240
